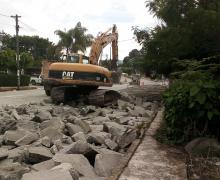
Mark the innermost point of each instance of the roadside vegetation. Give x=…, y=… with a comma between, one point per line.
x=184, y=47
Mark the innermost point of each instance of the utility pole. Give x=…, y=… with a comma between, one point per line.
x=17, y=50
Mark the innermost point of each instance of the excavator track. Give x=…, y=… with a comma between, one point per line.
x=99, y=97
x=103, y=97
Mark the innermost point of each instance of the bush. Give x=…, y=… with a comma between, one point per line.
x=8, y=80
x=192, y=109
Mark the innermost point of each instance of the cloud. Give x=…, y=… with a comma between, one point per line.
x=46, y=16
x=113, y=15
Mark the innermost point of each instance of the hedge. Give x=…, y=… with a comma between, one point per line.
x=9, y=80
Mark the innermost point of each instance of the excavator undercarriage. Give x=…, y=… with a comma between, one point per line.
x=93, y=96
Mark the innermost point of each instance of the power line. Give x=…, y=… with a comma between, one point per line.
x=7, y=24
x=4, y=15
x=125, y=40
x=28, y=26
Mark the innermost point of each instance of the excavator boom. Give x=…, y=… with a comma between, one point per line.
x=102, y=40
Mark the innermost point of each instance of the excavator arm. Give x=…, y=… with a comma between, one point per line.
x=102, y=40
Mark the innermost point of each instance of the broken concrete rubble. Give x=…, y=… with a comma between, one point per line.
x=81, y=142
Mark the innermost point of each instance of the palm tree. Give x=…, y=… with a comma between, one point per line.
x=74, y=39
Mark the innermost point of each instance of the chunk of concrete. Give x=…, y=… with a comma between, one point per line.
x=84, y=125
x=111, y=144
x=16, y=115
x=114, y=128
x=104, y=163
x=27, y=139
x=28, y=125
x=73, y=129
x=80, y=136
x=45, y=141
x=139, y=111
x=10, y=137
x=96, y=128
x=122, y=105
x=79, y=163
x=42, y=116
x=3, y=153
x=52, y=133
x=79, y=147
x=56, y=174
x=55, y=122
x=45, y=165
x=67, y=167
x=203, y=146
x=100, y=120
x=38, y=154
x=98, y=137
x=127, y=138
x=17, y=154
x=13, y=171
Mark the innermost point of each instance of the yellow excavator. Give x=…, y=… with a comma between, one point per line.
x=80, y=75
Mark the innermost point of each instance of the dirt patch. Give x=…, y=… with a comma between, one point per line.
x=203, y=168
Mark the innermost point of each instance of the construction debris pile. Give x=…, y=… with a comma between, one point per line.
x=76, y=141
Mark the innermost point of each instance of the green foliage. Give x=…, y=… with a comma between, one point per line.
x=38, y=47
x=74, y=39
x=26, y=60
x=192, y=109
x=133, y=63
x=188, y=29
x=7, y=59
x=9, y=80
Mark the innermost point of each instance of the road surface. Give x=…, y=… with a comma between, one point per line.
x=36, y=95
x=22, y=97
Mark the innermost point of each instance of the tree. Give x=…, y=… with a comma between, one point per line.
x=26, y=60
x=74, y=39
x=40, y=48
x=189, y=29
x=7, y=60
x=133, y=62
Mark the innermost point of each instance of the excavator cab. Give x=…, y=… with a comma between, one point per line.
x=75, y=58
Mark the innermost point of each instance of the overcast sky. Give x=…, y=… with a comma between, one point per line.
x=43, y=17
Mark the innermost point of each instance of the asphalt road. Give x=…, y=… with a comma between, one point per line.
x=36, y=95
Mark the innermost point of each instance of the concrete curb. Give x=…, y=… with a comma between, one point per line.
x=117, y=171
x=3, y=89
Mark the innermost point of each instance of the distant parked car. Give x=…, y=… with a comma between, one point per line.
x=36, y=79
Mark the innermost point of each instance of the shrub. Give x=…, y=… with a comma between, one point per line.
x=192, y=109
x=9, y=80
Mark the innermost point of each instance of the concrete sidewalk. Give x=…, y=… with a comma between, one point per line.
x=155, y=161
